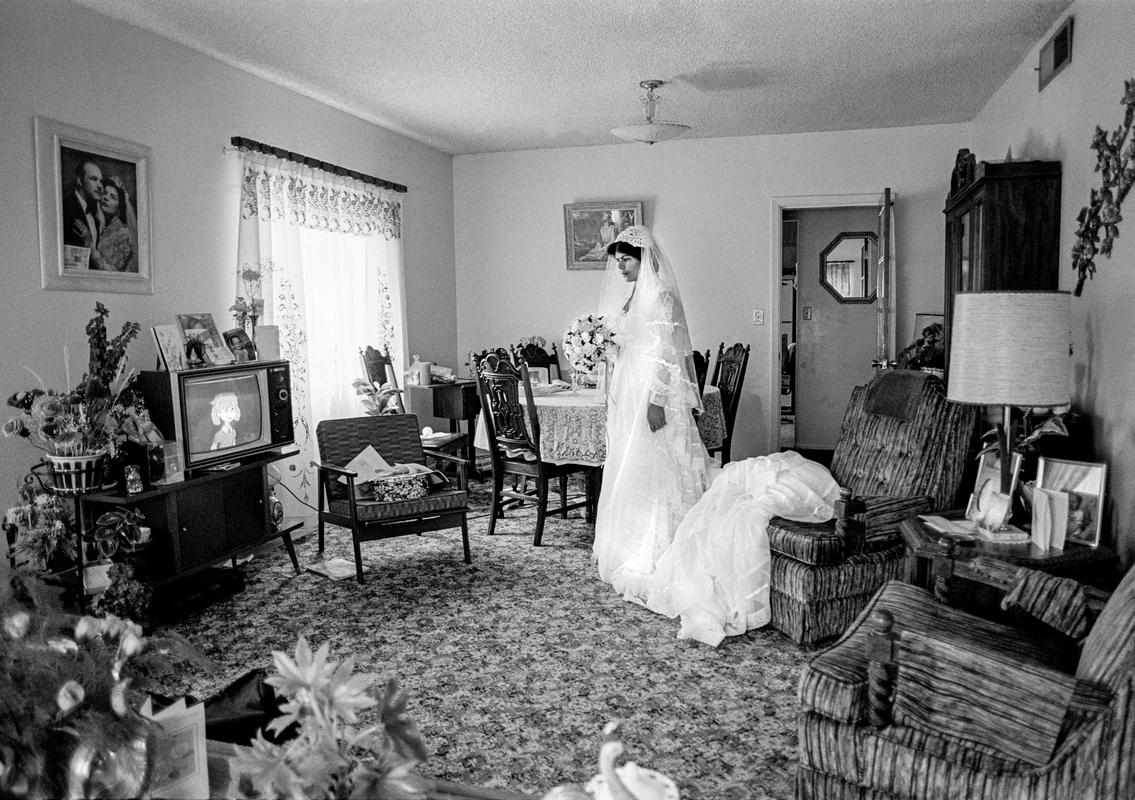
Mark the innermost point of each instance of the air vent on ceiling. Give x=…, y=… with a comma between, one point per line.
x=1056, y=53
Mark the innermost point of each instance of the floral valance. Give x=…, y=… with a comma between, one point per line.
x=282, y=191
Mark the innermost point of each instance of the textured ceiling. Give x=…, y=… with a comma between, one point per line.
x=472, y=76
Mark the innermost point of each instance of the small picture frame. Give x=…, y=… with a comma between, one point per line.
x=1084, y=482
x=590, y=227
x=241, y=345
x=93, y=193
x=988, y=506
x=200, y=327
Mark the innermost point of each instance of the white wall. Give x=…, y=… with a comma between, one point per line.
x=67, y=63
x=1058, y=123
x=710, y=205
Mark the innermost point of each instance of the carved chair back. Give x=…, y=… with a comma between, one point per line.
x=505, y=410
x=729, y=377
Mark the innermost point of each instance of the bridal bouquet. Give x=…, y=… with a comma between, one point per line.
x=587, y=341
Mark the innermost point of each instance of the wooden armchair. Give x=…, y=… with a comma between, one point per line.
x=395, y=437
x=920, y=700
x=443, y=448
x=901, y=451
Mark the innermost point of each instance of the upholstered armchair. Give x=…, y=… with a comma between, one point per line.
x=921, y=701
x=902, y=449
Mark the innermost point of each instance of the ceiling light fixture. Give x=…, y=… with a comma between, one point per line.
x=651, y=131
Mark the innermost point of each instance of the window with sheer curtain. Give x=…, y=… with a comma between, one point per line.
x=325, y=256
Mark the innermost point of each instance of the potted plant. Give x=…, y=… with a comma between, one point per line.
x=76, y=428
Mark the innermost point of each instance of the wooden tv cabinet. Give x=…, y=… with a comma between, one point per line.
x=201, y=521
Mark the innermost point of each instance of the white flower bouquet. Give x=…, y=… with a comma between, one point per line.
x=587, y=342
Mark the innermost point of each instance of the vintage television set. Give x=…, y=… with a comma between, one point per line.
x=219, y=415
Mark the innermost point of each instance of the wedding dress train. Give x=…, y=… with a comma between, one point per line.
x=716, y=573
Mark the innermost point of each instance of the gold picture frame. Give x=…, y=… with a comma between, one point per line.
x=590, y=227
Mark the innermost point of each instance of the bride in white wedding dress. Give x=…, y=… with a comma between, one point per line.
x=661, y=538
x=656, y=466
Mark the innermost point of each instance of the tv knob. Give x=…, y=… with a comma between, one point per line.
x=282, y=395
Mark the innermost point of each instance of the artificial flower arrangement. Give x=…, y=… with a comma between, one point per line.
x=71, y=691
x=587, y=341
x=1115, y=161
x=249, y=307
x=330, y=756
x=377, y=400
x=99, y=414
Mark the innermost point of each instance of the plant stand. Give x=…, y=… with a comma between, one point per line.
x=75, y=476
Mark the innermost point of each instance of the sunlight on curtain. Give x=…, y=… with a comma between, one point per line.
x=341, y=318
x=329, y=259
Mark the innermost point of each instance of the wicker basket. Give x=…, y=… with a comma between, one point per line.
x=394, y=488
x=77, y=474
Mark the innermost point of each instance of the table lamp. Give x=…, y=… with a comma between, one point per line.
x=1009, y=349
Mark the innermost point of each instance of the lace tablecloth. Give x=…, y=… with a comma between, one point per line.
x=573, y=426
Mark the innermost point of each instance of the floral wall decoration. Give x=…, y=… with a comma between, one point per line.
x=1099, y=220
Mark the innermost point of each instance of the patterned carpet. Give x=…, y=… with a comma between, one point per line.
x=513, y=664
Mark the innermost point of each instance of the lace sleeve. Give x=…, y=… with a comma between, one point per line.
x=667, y=377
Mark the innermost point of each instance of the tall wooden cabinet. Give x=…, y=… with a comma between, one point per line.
x=1002, y=227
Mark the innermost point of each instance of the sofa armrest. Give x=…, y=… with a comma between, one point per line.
x=994, y=699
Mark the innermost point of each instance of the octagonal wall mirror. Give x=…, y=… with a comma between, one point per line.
x=848, y=266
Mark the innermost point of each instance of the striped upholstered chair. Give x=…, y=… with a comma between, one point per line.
x=919, y=701
x=902, y=449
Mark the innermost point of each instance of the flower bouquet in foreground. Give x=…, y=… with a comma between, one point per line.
x=331, y=756
x=71, y=692
x=587, y=342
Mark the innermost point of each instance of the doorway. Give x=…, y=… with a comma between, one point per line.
x=824, y=347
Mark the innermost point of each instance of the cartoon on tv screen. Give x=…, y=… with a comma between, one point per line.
x=223, y=413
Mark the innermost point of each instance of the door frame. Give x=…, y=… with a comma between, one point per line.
x=778, y=205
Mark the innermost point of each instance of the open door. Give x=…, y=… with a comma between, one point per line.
x=885, y=287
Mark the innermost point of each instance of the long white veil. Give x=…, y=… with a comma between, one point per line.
x=655, y=297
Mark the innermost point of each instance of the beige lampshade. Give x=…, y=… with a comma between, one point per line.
x=1010, y=349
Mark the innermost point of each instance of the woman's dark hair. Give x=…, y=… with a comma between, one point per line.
x=121, y=212
x=614, y=248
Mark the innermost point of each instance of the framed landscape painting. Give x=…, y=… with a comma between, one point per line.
x=590, y=227
x=93, y=194
x=1083, y=482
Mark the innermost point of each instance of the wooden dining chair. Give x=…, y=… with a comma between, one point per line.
x=729, y=377
x=701, y=368
x=536, y=356
x=513, y=428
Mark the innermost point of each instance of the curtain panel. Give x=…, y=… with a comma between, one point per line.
x=276, y=265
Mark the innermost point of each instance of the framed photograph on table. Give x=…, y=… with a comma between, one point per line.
x=1084, y=483
x=202, y=328
x=590, y=227
x=988, y=506
x=93, y=193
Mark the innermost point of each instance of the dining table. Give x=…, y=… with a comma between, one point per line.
x=573, y=424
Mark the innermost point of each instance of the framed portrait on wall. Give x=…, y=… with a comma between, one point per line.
x=1083, y=482
x=93, y=194
x=590, y=227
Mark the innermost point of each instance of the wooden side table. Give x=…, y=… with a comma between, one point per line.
x=934, y=558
